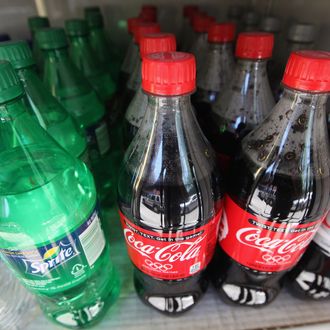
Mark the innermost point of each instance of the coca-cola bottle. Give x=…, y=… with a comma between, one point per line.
x=246, y=100
x=148, y=13
x=186, y=32
x=310, y=279
x=128, y=62
x=279, y=188
x=201, y=24
x=273, y=25
x=301, y=36
x=215, y=73
x=149, y=43
x=189, y=37
x=169, y=190
x=134, y=79
x=250, y=21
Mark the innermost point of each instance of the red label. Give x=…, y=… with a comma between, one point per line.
x=171, y=256
x=261, y=244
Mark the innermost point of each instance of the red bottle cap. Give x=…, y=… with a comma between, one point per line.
x=308, y=70
x=202, y=22
x=189, y=9
x=157, y=42
x=172, y=73
x=132, y=22
x=254, y=45
x=143, y=28
x=222, y=32
x=148, y=13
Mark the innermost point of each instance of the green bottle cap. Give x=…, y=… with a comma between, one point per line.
x=10, y=86
x=92, y=9
x=18, y=53
x=94, y=19
x=37, y=22
x=51, y=38
x=76, y=27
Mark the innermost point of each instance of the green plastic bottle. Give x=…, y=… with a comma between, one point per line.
x=35, y=23
x=75, y=93
x=108, y=55
x=51, y=236
x=84, y=58
x=43, y=106
x=89, y=9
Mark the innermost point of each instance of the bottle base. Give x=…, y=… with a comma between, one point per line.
x=239, y=285
x=180, y=296
x=75, y=312
x=245, y=296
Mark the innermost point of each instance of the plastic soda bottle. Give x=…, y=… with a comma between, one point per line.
x=35, y=23
x=75, y=93
x=51, y=236
x=50, y=114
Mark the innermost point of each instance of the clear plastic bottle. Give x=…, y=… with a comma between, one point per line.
x=132, y=53
x=74, y=92
x=134, y=80
x=279, y=188
x=234, y=15
x=169, y=190
x=272, y=25
x=186, y=30
x=215, y=73
x=246, y=100
x=51, y=236
x=301, y=36
x=310, y=279
x=43, y=106
x=201, y=24
x=149, y=43
x=250, y=20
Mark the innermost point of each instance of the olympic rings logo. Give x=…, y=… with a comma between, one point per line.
x=158, y=266
x=275, y=259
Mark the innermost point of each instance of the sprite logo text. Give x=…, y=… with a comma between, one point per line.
x=51, y=259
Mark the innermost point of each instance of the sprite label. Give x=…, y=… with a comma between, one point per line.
x=62, y=264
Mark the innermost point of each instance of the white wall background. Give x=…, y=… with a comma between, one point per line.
x=14, y=13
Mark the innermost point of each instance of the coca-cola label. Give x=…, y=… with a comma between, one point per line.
x=171, y=256
x=262, y=244
x=322, y=237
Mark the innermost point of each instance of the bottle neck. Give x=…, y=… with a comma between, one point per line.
x=250, y=75
x=56, y=55
x=169, y=104
x=258, y=67
x=44, y=106
x=315, y=102
x=62, y=76
x=12, y=109
x=223, y=47
x=26, y=73
x=78, y=40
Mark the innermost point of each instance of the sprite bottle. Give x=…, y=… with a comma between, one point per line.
x=109, y=56
x=83, y=57
x=35, y=23
x=51, y=236
x=75, y=93
x=43, y=106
